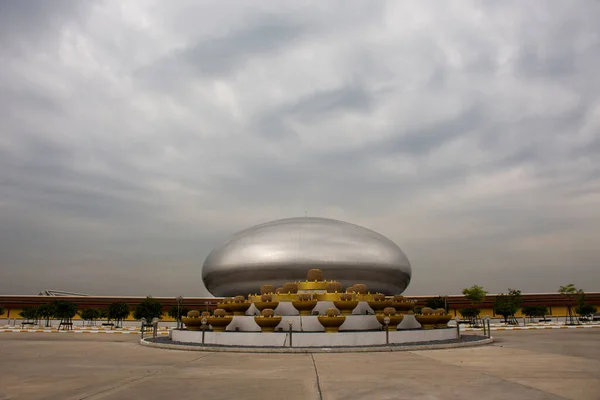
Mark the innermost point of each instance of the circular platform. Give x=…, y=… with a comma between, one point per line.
x=350, y=342
x=312, y=339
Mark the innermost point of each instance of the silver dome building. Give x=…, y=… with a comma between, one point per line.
x=284, y=250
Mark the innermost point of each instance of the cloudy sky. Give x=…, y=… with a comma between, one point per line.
x=136, y=136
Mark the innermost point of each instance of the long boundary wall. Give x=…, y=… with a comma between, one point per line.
x=13, y=304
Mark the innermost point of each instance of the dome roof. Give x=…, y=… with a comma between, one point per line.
x=284, y=250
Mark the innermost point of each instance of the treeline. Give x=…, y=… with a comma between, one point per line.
x=114, y=314
x=67, y=310
x=507, y=305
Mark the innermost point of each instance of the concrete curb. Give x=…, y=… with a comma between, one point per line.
x=527, y=328
x=371, y=349
x=77, y=331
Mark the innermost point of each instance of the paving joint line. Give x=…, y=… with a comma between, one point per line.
x=136, y=380
x=317, y=375
x=472, y=369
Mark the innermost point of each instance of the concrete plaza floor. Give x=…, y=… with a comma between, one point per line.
x=543, y=364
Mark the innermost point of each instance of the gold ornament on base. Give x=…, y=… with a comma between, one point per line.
x=360, y=288
x=427, y=318
x=266, y=301
x=290, y=288
x=192, y=321
x=314, y=275
x=443, y=320
x=304, y=304
x=394, y=318
x=266, y=289
x=331, y=321
x=219, y=320
x=346, y=303
x=267, y=320
x=334, y=287
x=379, y=302
x=238, y=306
x=402, y=304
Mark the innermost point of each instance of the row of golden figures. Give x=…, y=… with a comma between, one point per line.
x=389, y=318
x=304, y=297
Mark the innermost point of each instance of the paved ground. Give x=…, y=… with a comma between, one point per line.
x=546, y=364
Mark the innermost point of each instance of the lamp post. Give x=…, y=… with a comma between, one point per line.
x=143, y=326
x=178, y=323
x=386, y=321
x=203, y=321
x=457, y=319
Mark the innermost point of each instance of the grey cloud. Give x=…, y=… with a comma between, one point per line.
x=119, y=179
x=354, y=98
x=326, y=103
x=27, y=23
x=221, y=55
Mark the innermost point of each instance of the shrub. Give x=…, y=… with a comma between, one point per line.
x=219, y=313
x=360, y=288
x=334, y=287
x=268, y=313
x=265, y=298
x=332, y=312
x=314, y=275
x=265, y=289
x=290, y=287
x=118, y=311
x=535, y=311
x=389, y=311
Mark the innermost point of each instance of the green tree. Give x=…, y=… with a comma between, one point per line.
x=118, y=311
x=104, y=314
x=507, y=305
x=65, y=311
x=586, y=310
x=437, y=302
x=569, y=291
x=148, y=308
x=29, y=314
x=176, y=313
x=46, y=311
x=470, y=313
x=476, y=295
x=90, y=315
x=535, y=311
x=583, y=309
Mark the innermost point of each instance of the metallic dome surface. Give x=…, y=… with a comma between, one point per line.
x=284, y=250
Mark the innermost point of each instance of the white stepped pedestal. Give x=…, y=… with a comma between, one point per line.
x=363, y=309
x=252, y=310
x=360, y=323
x=286, y=308
x=301, y=324
x=409, y=322
x=316, y=339
x=309, y=323
x=362, y=319
x=243, y=324
x=322, y=306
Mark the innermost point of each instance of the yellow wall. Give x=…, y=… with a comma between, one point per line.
x=554, y=311
x=14, y=313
